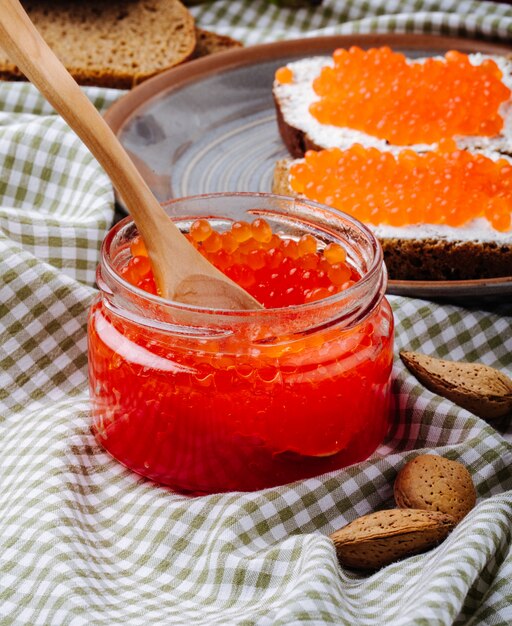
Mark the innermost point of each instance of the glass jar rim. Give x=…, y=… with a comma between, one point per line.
x=373, y=280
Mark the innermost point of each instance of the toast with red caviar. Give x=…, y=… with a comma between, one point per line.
x=382, y=99
x=430, y=176
x=465, y=236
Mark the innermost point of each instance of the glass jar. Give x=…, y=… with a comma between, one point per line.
x=208, y=400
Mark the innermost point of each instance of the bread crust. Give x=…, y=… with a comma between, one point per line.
x=208, y=42
x=296, y=141
x=439, y=259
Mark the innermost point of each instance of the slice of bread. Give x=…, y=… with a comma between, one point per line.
x=432, y=252
x=208, y=42
x=300, y=131
x=419, y=252
x=118, y=43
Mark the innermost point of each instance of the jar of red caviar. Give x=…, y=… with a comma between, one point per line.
x=208, y=400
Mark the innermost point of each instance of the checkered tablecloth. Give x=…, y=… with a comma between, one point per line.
x=83, y=541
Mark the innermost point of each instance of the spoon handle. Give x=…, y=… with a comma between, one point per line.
x=177, y=266
x=24, y=45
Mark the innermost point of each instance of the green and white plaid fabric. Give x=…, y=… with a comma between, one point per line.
x=255, y=21
x=83, y=541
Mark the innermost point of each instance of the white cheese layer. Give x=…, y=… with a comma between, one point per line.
x=477, y=231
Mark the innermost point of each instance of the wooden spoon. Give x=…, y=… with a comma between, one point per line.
x=180, y=271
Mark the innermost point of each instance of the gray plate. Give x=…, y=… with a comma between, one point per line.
x=209, y=125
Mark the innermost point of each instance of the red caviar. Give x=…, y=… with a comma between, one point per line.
x=444, y=186
x=379, y=92
x=284, y=75
x=249, y=258
x=220, y=405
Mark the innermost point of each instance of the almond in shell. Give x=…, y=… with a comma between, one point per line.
x=480, y=389
x=434, y=483
x=378, y=539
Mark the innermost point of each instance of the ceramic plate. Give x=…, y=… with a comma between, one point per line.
x=209, y=125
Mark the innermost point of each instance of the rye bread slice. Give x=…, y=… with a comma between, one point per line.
x=118, y=43
x=208, y=42
x=426, y=257
x=300, y=131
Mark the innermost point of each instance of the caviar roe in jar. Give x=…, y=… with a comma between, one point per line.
x=208, y=401
x=276, y=271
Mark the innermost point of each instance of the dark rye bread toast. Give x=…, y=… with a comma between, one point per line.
x=428, y=257
x=301, y=132
x=423, y=252
x=208, y=42
x=297, y=141
x=118, y=43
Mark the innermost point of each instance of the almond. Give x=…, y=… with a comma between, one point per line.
x=377, y=539
x=434, y=483
x=480, y=389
